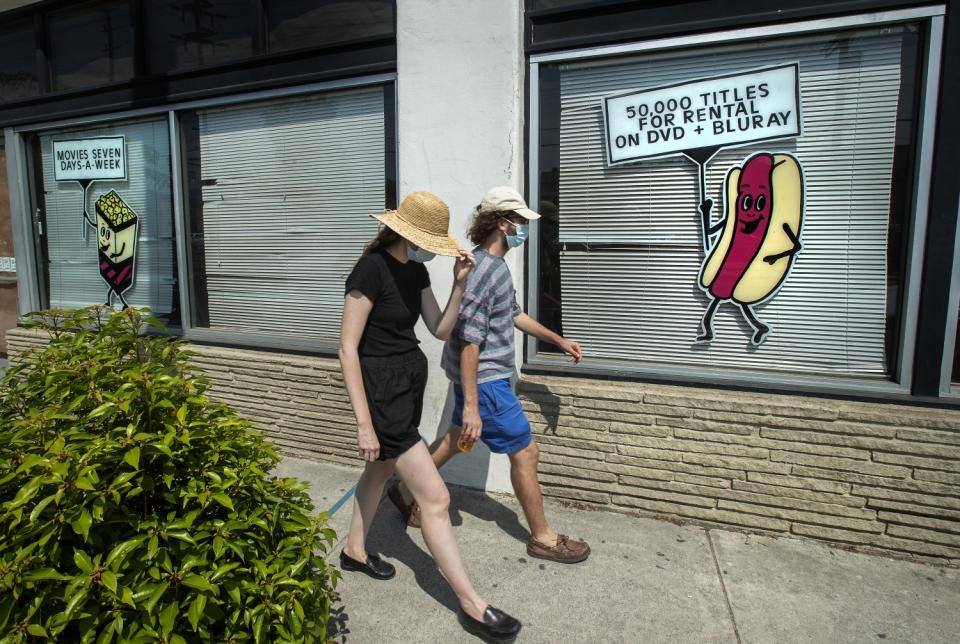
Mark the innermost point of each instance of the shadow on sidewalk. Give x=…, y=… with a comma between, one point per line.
x=389, y=538
x=485, y=508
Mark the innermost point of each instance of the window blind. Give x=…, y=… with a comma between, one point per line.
x=287, y=189
x=639, y=300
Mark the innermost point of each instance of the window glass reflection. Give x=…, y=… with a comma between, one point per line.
x=18, y=76
x=90, y=44
x=192, y=33
x=293, y=24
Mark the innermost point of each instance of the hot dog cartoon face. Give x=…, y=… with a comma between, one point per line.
x=760, y=239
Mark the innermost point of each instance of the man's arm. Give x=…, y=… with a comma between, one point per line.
x=528, y=325
x=469, y=361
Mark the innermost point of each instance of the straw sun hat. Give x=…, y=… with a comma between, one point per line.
x=422, y=219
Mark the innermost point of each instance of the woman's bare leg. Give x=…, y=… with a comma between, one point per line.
x=365, y=502
x=416, y=469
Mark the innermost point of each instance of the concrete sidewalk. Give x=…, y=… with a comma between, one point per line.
x=646, y=581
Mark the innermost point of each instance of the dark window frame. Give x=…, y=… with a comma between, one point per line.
x=917, y=393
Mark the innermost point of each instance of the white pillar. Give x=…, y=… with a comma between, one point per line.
x=460, y=124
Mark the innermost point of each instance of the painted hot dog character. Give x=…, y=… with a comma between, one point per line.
x=760, y=239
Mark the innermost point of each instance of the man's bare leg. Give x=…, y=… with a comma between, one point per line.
x=523, y=475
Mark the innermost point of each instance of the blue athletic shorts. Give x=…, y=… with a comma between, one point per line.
x=505, y=427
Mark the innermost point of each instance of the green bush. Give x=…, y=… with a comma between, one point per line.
x=134, y=508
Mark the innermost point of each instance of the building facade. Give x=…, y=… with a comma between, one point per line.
x=749, y=223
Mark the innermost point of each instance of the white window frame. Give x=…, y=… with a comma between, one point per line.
x=926, y=128
x=28, y=289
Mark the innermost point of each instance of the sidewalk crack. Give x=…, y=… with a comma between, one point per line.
x=723, y=586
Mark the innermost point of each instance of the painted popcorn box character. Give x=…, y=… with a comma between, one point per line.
x=760, y=238
x=117, y=242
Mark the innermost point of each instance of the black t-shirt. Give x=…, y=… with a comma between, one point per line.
x=394, y=288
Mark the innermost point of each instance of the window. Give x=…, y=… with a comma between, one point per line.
x=292, y=24
x=90, y=44
x=279, y=195
x=18, y=55
x=621, y=248
x=183, y=34
x=130, y=254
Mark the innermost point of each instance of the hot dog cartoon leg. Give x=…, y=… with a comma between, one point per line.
x=760, y=330
x=706, y=324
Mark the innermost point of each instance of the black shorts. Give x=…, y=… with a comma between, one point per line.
x=394, y=386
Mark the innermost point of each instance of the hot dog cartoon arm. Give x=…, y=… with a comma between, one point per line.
x=709, y=230
x=793, y=250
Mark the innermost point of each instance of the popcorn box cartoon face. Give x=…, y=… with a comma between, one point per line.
x=116, y=228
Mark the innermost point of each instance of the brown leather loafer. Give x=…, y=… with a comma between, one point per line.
x=567, y=550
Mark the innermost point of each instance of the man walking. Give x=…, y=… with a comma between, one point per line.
x=479, y=359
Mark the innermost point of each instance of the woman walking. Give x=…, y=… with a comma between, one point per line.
x=385, y=373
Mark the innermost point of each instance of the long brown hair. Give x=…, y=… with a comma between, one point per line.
x=385, y=237
x=485, y=223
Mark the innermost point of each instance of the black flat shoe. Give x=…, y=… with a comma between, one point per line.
x=496, y=626
x=374, y=566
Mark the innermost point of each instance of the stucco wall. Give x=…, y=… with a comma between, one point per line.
x=459, y=95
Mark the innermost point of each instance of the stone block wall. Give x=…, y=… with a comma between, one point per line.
x=876, y=476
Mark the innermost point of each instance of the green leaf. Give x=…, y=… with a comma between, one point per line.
x=79, y=596
x=109, y=580
x=121, y=550
x=82, y=560
x=42, y=574
x=81, y=525
x=223, y=500
x=198, y=582
x=39, y=507
x=36, y=630
x=182, y=417
x=234, y=592
x=168, y=618
x=181, y=536
x=152, y=546
x=127, y=597
x=157, y=593
x=132, y=457
x=224, y=569
x=195, y=611
x=101, y=410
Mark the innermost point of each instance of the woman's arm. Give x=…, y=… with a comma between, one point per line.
x=356, y=310
x=441, y=324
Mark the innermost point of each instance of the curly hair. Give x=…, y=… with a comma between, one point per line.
x=485, y=223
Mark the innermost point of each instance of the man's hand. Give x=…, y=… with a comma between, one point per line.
x=572, y=349
x=367, y=444
x=472, y=425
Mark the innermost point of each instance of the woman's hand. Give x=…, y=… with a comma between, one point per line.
x=462, y=267
x=367, y=444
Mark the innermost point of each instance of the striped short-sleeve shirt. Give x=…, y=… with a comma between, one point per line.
x=487, y=310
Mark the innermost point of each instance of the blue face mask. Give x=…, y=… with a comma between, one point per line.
x=418, y=254
x=517, y=239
